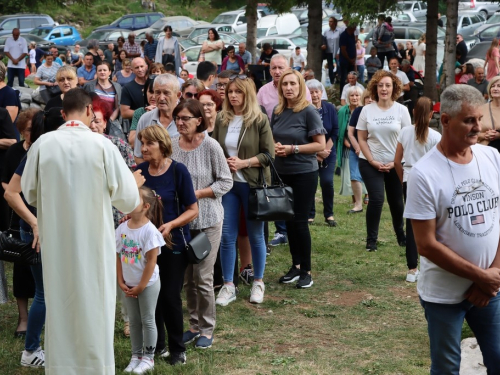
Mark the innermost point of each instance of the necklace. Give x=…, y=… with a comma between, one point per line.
x=464, y=189
x=159, y=170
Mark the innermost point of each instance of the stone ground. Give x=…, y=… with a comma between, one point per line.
x=472, y=359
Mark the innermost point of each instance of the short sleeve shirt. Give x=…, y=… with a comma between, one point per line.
x=16, y=48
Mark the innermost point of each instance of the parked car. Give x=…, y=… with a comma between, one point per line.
x=105, y=36
x=192, y=55
x=176, y=22
x=262, y=7
x=134, y=21
x=203, y=30
x=403, y=17
x=467, y=23
x=25, y=22
x=302, y=14
x=284, y=44
x=283, y=24
x=492, y=31
x=417, y=8
x=40, y=43
x=486, y=8
x=237, y=19
x=64, y=35
x=478, y=51
x=228, y=39
x=493, y=20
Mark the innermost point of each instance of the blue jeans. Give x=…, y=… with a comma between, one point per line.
x=11, y=73
x=280, y=227
x=361, y=73
x=354, y=166
x=445, y=330
x=326, y=170
x=36, y=316
x=231, y=202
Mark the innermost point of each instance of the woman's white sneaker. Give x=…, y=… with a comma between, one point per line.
x=33, y=359
x=226, y=295
x=144, y=366
x=134, y=362
x=257, y=292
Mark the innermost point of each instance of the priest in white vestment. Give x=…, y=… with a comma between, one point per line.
x=73, y=176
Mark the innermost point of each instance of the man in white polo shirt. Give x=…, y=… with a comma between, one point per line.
x=16, y=50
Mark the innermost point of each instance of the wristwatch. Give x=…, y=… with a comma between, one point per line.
x=296, y=149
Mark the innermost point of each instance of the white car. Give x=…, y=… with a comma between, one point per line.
x=284, y=44
x=192, y=55
x=236, y=18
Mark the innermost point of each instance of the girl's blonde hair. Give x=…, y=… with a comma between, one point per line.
x=300, y=102
x=251, y=108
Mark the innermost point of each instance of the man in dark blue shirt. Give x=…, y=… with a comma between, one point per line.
x=347, y=55
x=150, y=49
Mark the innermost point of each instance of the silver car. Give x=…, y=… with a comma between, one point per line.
x=486, y=8
x=467, y=23
x=418, y=8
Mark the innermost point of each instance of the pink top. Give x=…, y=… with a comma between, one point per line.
x=361, y=60
x=268, y=97
x=492, y=65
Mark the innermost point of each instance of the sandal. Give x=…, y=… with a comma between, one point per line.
x=331, y=222
x=126, y=329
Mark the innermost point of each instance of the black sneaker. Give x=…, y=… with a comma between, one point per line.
x=247, y=275
x=291, y=276
x=402, y=240
x=371, y=246
x=305, y=281
x=178, y=358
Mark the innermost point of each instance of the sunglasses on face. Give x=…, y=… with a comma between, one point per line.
x=190, y=95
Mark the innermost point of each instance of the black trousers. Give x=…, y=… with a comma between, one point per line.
x=345, y=68
x=383, y=55
x=411, y=246
x=331, y=73
x=299, y=238
x=375, y=183
x=168, y=312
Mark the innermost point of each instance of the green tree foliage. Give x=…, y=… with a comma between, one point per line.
x=34, y=6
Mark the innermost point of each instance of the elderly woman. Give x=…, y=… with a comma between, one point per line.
x=168, y=50
x=46, y=78
x=211, y=177
x=149, y=104
x=169, y=179
x=378, y=127
x=490, y=125
x=353, y=100
x=245, y=136
x=33, y=355
x=327, y=157
x=299, y=135
x=125, y=75
x=66, y=79
x=24, y=286
x=191, y=88
x=212, y=103
x=8, y=98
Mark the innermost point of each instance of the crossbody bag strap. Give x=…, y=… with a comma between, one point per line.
x=174, y=165
x=491, y=116
x=241, y=140
x=271, y=163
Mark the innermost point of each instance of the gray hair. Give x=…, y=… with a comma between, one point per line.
x=280, y=56
x=454, y=97
x=405, y=62
x=314, y=84
x=352, y=90
x=169, y=80
x=3, y=71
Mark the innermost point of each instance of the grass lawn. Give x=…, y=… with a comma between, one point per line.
x=360, y=317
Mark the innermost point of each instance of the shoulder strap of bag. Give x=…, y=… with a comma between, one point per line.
x=491, y=116
x=273, y=171
x=241, y=140
x=174, y=165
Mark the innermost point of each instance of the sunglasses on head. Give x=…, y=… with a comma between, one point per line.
x=240, y=76
x=354, y=73
x=190, y=95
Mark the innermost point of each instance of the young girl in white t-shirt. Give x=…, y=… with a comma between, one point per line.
x=138, y=244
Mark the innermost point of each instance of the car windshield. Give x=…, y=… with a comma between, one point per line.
x=114, y=23
x=97, y=35
x=224, y=18
x=158, y=24
x=261, y=32
x=494, y=19
x=186, y=43
x=40, y=32
x=297, y=12
x=299, y=41
x=405, y=6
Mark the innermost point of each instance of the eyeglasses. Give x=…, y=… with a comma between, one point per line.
x=190, y=95
x=183, y=118
x=221, y=85
x=208, y=105
x=240, y=76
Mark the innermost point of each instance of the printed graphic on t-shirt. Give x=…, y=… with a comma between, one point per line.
x=131, y=251
x=385, y=120
x=473, y=208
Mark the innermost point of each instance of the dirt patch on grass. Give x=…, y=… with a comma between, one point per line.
x=347, y=299
x=405, y=292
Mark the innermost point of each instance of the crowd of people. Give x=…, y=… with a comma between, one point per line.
x=167, y=157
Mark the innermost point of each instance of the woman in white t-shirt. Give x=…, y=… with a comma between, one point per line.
x=378, y=128
x=413, y=143
x=32, y=54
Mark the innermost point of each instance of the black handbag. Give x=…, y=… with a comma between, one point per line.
x=15, y=250
x=270, y=202
x=54, y=90
x=199, y=247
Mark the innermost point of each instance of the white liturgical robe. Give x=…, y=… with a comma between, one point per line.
x=73, y=176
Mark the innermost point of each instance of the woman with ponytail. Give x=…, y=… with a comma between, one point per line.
x=413, y=143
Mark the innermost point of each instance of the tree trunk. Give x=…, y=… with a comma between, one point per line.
x=450, y=44
x=314, y=42
x=431, y=51
x=251, y=14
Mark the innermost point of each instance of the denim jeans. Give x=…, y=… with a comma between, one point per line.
x=299, y=238
x=376, y=182
x=36, y=316
x=231, y=202
x=361, y=73
x=11, y=73
x=280, y=227
x=326, y=170
x=444, y=325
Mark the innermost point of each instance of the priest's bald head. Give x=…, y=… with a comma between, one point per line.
x=77, y=105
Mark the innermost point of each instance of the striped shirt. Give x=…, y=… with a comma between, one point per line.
x=132, y=49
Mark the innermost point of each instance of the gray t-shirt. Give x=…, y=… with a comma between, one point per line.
x=296, y=128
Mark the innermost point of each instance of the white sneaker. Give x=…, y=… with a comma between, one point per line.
x=164, y=353
x=226, y=295
x=257, y=292
x=33, y=359
x=144, y=366
x=134, y=362
x=412, y=276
